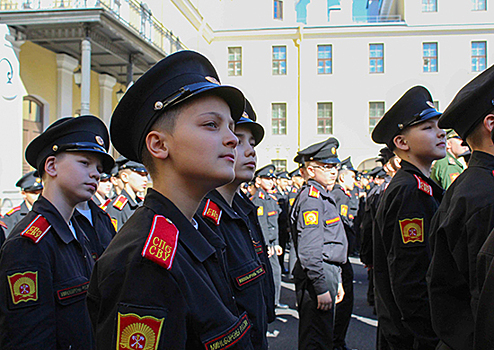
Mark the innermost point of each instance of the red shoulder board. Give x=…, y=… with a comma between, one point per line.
x=162, y=242
x=13, y=210
x=212, y=211
x=423, y=186
x=105, y=205
x=120, y=202
x=36, y=229
x=3, y=224
x=314, y=192
x=261, y=195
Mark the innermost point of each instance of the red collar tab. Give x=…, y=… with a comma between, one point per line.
x=36, y=229
x=314, y=192
x=13, y=210
x=120, y=202
x=105, y=205
x=261, y=195
x=424, y=186
x=212, y=212
x=162, y=242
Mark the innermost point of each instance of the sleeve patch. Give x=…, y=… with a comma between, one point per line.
x=412, y=230
x=332, y=221
x=135, y=332
x=453, y=176
x=120, y=202
x=260, y=211
x=314, y=192
x=423, y=186
x=212, y=211
x=231, y=336
x=271, y=213
x=36, y=229
x=344, y=210
x=13, y=210
x=23, y=286
x=311, y=217
x=162, y=242
x=250, y=276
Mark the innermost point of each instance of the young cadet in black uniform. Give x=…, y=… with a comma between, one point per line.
x=249, y=277
x=162, y=282
x=465, y=217
x=31, y=187
x=134, y=178
x=267, y=213
x=401, y=231
x=44, y=263
x=321, y=246
x=281, y=194
x=101, y=197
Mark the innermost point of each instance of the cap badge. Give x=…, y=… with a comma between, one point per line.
x=333, y=150
x=158, y=105
x=400, y=126
x=38, y=180
x=245, y=115
x=430, y=104
x=54, y=148
x=492, y=101
x=99, y=140
x=212, y=80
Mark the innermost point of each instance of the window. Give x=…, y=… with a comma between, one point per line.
x=279, y=164
x=324, y=59
x=32, y=124
x=479, y=5
x=376, y=111
x=278, y=9
x=429, y=5
x=430, y=57
x=278, y=118
x=234, y=61
x=376, y=58
x=479, y=56
x=325, y=118
x=279, y=60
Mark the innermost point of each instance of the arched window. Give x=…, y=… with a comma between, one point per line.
x=32, y=124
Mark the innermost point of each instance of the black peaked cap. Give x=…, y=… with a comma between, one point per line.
x=266, y=171
x=30, y=182
x=324, y=152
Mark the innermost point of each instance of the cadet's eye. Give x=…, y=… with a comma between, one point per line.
x=211, y=124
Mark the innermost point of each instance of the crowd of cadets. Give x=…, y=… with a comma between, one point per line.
x=198, y=262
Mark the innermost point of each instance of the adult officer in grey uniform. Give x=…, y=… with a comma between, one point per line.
x=321, y=246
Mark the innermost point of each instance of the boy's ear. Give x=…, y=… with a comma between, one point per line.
x=156, y=143
x=124, y=176
x=51, y=166
x=489, y=122
x=401, y=143
x=310, y=171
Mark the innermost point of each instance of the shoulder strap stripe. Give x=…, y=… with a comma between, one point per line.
x=120, y=202
x=423, y=186
x=212, y=211
x=13, y=210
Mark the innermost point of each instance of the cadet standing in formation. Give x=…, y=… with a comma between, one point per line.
x=101, y=197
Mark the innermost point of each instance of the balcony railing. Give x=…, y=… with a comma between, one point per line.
x=377, y=19
x=132, y=13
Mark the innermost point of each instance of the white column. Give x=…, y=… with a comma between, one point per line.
x=106, y=84
x=65, y=73
x=86, y=76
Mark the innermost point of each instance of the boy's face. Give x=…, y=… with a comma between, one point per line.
x=325, y=174
x=426, y=140
x=78, y=175
x=136, y=180
x=454, y=146
x=104, y=187
x=283, y=183
x=266, y=183
x=201, y=148
x=245, y=163
x=31, y=196
x=348, y=180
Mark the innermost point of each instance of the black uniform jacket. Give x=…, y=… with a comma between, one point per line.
x=44, y=275
x=162, y=275
x=121, y=209
x=318, y=233
x=100, y=233
x=245, y=271
x=267, y=213
x=14, y=215
x=402, y=256
x=248, y=211
x=344, y=206
x=459, y=229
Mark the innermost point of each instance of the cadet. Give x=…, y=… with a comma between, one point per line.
x=267, y=213
x=321, y=246
x=161, y=283
x=31, y=187
x=252, y=280
x=401, y=231
x=45, y=264
x=134, y=178
x=101, y=197
x=465, y=217
x=446, y=170
x=281, y=193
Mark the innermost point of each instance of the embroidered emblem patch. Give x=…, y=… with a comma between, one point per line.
x=453, y=176
x=332, y=221
x=23, y=286
x=212, y=211
x=314, y=192
x=73, y=291
x=423, y=186
x=311, y=217
x=271, y=213
x=344, y=210
x=231, y=336
x=260, y=211
x=36, y=229
x=135, y=332
x=120, y=202
x=412, y=230
x=162, y=242
x=250, y=276
x=115, y=223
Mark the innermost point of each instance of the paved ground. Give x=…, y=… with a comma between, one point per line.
x=361, y=333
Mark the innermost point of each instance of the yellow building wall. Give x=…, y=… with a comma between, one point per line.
x=38, y=70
